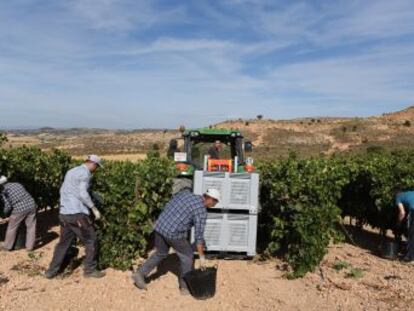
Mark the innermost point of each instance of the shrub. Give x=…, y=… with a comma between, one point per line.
x=133, y=195
x=299, y=213
x=3, y=138
x=40, y=172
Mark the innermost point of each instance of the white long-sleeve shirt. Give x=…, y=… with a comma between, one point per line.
x=74, y=195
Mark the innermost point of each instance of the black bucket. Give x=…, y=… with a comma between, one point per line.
x=202, y=283
x=389, y=249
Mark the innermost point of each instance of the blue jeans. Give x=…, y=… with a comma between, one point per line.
x=183, y=250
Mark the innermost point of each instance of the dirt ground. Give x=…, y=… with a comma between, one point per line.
x=350, y=278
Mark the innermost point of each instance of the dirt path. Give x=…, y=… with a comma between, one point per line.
x=241, y=285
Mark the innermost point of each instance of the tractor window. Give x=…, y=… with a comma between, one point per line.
x=175, y=145
x=200, y=149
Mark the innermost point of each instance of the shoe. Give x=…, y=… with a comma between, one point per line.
x=3, y=249
x=50, y=274
x=139, y=280
x=94, y=274
x=408, y=261
x=184, y=291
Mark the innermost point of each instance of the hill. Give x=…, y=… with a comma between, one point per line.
x=271, y=138
x=312, y=136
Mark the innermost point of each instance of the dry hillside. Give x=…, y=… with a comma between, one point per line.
x=311, y=136
x=272, y=138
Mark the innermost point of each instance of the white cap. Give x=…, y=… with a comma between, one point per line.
x=3, y=180
x=95, y=159
x=213, y=193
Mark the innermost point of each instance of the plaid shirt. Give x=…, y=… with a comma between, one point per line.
x=184, y=211
x=16, y=199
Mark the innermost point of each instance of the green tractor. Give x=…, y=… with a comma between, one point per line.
x=192, y=153
x=231, y=226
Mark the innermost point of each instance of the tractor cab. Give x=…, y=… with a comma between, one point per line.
x=193, y=152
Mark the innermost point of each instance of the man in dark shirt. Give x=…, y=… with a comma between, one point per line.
x=21, y=207
x=184, y=211
x=214, y=151
x=405, y=203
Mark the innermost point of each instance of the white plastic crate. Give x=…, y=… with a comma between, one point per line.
x=231, y=232
x=239, y=191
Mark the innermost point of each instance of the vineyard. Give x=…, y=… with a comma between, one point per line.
x=303, y=201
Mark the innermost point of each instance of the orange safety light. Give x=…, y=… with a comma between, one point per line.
x=214, y=165
x=182, y=167
x=249, y=168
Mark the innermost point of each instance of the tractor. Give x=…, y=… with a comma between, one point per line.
x=195, y=147
x=231, y=227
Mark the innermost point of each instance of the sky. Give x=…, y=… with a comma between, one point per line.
x=158, y=64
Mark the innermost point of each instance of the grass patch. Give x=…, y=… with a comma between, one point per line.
x=355, y=273
x=341, y=265
x=28, y=268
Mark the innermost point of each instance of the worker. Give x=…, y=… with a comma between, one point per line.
x=20, y=205
x=184, y=210
x=172, y=148
x=76, y=205
x=404, y=201
x=214, y=151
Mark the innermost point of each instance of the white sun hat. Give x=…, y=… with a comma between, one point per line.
x=95, y=159
x=213, y=193
x=3, y=180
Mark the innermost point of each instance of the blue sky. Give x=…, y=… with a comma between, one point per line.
x=140, y=64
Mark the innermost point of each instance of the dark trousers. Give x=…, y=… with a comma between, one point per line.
x=72, y=226
x=410, y=246
x=183, y=250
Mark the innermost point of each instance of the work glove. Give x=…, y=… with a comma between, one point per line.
x=202, y=262
x=96, y=213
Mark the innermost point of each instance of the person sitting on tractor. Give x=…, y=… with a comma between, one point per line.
x=214, y=151
x=172, y=148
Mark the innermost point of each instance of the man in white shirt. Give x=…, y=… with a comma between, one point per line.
x=75, y=208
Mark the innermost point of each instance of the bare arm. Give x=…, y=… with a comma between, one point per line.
x=200, y=249
x=200, y=224
x=401, y=214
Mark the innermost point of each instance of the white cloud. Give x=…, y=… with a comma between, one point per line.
x=121, y=15
x=106, y=63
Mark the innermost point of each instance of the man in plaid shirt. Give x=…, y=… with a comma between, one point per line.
x=21, y=207
x=184, y=211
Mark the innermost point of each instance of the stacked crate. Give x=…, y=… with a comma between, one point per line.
x=232, y=225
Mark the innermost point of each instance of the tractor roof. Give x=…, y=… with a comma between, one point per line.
x=212, y=132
